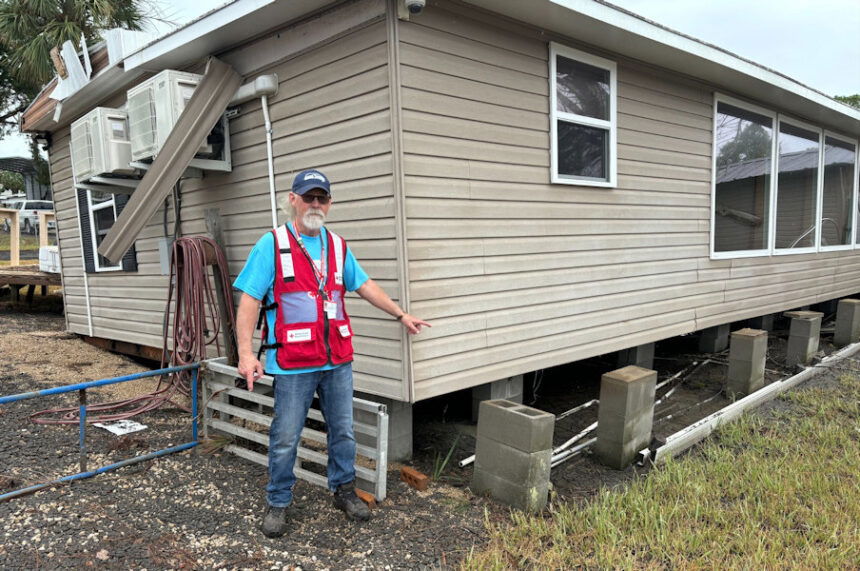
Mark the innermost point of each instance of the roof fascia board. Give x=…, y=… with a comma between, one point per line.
x=219, y=30
x=207, y=24
x=203, y=110
x=615, y=30
x=285, y=43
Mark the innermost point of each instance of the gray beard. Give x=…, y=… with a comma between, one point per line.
x=313, y=219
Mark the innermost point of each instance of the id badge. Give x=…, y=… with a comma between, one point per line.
x=330, y=309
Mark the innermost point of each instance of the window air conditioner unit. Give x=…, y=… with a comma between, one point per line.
x=100, y=144
x=154, y=107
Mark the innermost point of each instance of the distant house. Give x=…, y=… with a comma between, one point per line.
x=33, y=189
x=545, y=181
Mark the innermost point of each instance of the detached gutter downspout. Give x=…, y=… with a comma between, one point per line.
x=687, y=437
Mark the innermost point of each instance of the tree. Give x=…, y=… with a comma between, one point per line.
x=30, y=29
x=11, y=181
x=852, y=100
x=752, y=142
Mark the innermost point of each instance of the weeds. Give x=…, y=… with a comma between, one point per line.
x=769, y=492
x=439, y=463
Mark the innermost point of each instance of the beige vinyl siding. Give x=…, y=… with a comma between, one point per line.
x=331, y=112
x=517, y=274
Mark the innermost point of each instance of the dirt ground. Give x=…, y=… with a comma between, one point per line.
x=197, y=510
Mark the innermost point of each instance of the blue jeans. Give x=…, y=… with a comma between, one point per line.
x=293, y=397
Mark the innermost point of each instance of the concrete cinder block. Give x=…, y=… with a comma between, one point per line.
x=522, y=427
x=763, y=322
x=511, y=464
x=714, y=339
x=803, y=336
x=747, y=357
x=530, y=498
x=627, y=390
x=399, y=427
x=641, y=356
x=620, y=428
x=847, y=322
x=619, y=455
x=625, y=414
x=748, y=345
x=806, y=326
x=508, y=389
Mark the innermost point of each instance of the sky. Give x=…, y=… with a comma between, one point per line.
x=815, y=42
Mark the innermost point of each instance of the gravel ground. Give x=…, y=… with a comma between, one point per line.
x=189, y=510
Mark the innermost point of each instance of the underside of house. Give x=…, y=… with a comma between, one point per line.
x=542, y=184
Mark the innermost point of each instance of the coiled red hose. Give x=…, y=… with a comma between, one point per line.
x=196, y=324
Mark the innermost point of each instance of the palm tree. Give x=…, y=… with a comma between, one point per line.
x=30, y=29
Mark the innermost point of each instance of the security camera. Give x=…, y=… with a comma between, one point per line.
x=415, y=6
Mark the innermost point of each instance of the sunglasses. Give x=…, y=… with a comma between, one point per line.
x=309, y=198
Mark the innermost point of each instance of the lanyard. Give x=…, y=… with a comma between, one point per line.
x=319, y=273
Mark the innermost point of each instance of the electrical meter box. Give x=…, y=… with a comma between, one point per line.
x=100, y=144
x=154, y=107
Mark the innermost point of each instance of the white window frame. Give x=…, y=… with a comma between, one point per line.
x=94, y=242
x=720, y=98
x=778, y=119
x=816, y=240
x=610, y=126
x=826, y=133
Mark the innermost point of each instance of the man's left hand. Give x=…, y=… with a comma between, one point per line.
x=413, y=324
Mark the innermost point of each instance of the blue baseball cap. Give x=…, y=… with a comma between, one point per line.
x=310, y=179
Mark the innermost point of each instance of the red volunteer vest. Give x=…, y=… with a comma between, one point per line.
x=306, y=333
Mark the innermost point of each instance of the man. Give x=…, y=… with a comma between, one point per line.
x=303, y=271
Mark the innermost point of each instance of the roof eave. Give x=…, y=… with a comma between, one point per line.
x=218, y=30
x=610, y=28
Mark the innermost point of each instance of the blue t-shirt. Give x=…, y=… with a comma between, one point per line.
x=257, y=279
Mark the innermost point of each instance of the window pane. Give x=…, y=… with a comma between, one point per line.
x=838, y=199
x=797, y=187
x=581, y=88
x=582, y=151
x=742, y=193
x=103, y=219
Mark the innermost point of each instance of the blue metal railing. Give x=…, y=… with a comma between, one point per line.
x=82, y=392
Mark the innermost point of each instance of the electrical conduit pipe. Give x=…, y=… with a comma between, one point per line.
x=687, y=437
x=263, y=87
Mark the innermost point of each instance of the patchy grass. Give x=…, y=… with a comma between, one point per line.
x=775, y=490
x=28, y=241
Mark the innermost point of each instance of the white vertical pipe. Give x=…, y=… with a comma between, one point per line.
x=268, y=126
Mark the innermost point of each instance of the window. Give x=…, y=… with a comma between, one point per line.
x=797, y=187
x=780, y=186
x=837, y=202
x=102, y=217
x=582, y=118
x=743, y=172
x=98, y=212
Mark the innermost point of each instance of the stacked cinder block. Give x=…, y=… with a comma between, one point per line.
x=847, y=322
x=747, y=357
x=803, y=336
x=641, y=356
x=399, y=427
x=625, y=415
x=714, y=339
x=512, y=454
x=508, y=389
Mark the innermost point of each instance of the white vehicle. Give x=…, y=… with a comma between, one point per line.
x=28, y=215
